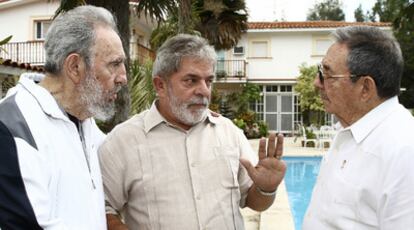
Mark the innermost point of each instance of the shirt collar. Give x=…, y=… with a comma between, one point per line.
x=154, y=118
x=372, y=119
x=46, y=101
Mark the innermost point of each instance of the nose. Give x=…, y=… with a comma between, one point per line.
x=121, y=77
x=203, y=89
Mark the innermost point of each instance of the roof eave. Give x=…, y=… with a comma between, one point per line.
x=324, y=29
x=13, y=3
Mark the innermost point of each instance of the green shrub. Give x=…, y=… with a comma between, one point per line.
x=310, y=134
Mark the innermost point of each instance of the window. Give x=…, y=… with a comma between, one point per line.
x=259, y=49
x=320, y=46
x=257, y=106
x=41, y=28
x=238, y=50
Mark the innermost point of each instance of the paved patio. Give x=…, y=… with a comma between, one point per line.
x=278, y=216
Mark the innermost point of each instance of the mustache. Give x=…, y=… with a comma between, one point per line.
x=198, y=101
x=116, y=89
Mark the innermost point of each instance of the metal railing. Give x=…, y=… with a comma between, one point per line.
x=230, y=69
x=24, y=52
x=32, y=52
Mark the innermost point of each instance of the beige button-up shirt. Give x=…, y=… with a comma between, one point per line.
x=158, y=176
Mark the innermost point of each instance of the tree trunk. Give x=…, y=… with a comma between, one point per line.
x=184, y=16
x=120, y=10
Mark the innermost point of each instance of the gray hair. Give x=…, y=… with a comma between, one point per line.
x=74, y=32
x=171, y=53
x=375, y=53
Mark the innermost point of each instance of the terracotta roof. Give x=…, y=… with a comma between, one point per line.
x=311, y=24
x=25, y=66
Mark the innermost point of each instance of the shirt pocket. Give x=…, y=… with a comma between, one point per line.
x=229, y=156
x=344, y=198
x=228, y=159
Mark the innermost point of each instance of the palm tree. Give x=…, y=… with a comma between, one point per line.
x=221, y=22
x=140, y=86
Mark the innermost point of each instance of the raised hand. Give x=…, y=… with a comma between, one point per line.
x=270, y=170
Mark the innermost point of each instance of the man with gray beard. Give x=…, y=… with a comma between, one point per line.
x=50, y=176
x=175, y=166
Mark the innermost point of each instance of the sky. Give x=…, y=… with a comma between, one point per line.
x=296, y=10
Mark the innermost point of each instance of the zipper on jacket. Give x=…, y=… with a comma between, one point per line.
x=85, y=152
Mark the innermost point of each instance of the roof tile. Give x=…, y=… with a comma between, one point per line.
x=27, y=66
x=311, y=24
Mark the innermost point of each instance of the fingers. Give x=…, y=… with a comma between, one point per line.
x=274, y=146
x=262, y=148
x=271, y=145
x=249, y=167
x=279, y=146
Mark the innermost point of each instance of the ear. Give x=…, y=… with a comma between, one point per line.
x=74, y=67
x=160, y=86
x=369, y=88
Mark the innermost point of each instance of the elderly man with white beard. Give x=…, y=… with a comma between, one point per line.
x=49, y=173
x=175, y=166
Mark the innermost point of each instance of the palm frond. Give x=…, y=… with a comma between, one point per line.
x=140, y=87
x=66, y=5
x=221, y=22
x=157, y=9
x=4, y=41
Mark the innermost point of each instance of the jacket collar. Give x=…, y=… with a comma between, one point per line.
x=43, y=97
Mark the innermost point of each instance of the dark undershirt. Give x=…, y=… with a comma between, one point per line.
x=74, y=120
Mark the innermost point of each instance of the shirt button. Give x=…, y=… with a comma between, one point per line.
x=193, y=164
x=198, y=197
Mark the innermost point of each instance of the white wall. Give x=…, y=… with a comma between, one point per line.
x=288, y=50
x=18, y=20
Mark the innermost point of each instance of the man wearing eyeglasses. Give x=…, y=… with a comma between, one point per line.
x=366, y=180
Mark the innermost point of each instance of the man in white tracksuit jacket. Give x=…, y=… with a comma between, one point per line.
x=49, y=172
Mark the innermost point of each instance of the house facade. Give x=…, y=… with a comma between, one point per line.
x=269, y=55
x=28, y=21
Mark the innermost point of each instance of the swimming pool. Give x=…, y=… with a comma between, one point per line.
x=300, y=179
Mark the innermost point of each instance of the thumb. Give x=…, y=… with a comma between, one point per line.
x=251, y=170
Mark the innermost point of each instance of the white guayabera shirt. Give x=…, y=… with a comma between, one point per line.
x=161, y=177
x=366, y=179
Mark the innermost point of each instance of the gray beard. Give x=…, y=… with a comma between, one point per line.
x=182, y=112
x=95, y=99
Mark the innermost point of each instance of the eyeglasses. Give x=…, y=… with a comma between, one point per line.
x=322, y=77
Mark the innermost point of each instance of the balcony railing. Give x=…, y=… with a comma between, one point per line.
x=32, y=52
x=231, y=69
x=24, y=52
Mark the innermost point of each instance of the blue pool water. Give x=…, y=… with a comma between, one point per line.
x=300, y=179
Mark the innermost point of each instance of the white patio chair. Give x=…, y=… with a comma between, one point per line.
x=325, y=135
x=306, y=140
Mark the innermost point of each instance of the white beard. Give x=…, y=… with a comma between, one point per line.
x=95, y=99
x=182, y=111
